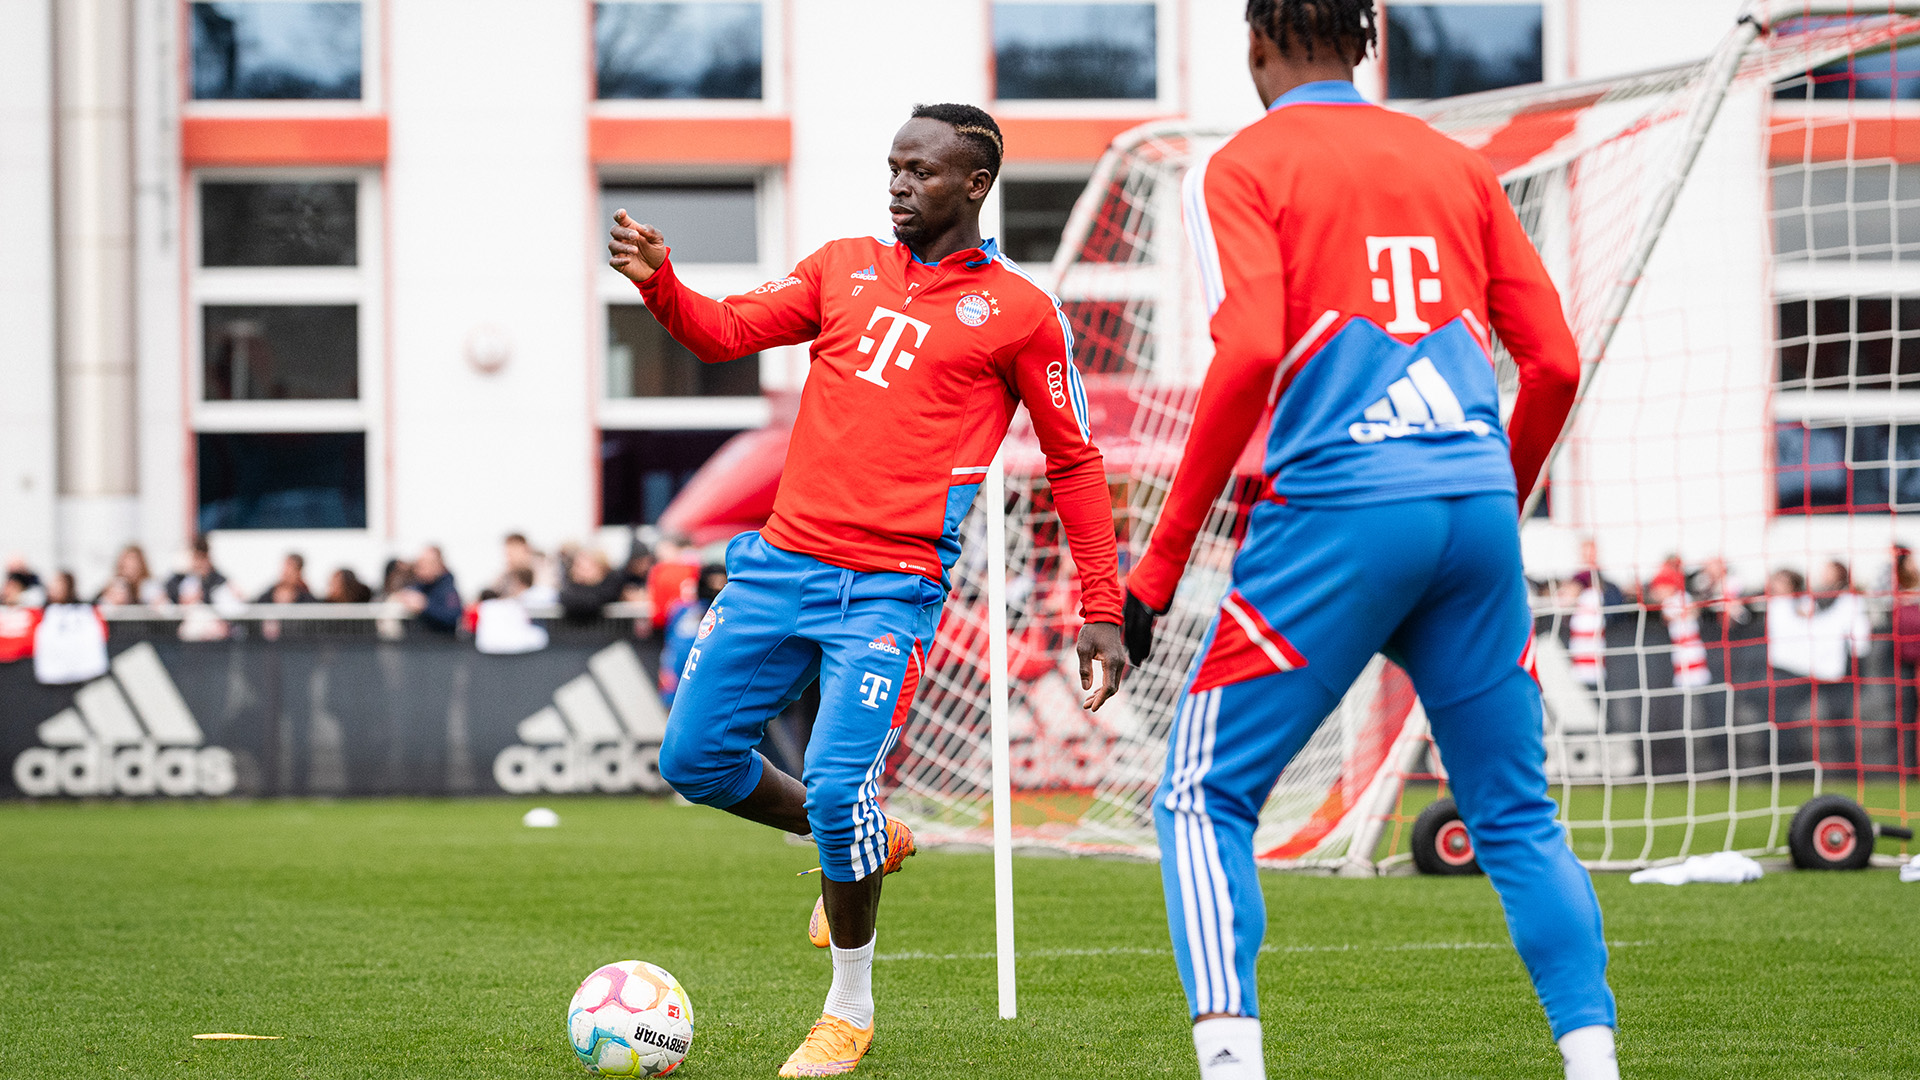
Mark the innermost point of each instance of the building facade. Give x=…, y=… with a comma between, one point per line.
x=330, y=276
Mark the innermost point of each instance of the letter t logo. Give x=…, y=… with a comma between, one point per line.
x=1399, y=288
x=889, y=342
x=874, y=689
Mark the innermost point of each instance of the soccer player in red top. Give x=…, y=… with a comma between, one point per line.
x=924, y=344
x=1353, y=260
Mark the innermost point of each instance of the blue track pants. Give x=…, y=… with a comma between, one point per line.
x=784, y=620
x=1437, y=585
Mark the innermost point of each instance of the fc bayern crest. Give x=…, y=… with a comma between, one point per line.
x=707, y=624
x=972, y=309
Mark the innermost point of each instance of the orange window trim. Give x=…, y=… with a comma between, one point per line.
x=1080, y=139
x=624, y=140
x=208, y=141
x=1816, y=138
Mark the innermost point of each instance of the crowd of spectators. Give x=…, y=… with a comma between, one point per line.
x=576, y=582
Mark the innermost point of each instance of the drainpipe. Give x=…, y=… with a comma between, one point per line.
x=93, y=138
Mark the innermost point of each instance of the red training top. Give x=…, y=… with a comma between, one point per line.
x=916, y=372
x=1352, y=260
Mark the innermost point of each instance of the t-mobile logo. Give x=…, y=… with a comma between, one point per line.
x=890, y=350
x=1399, y=288
x=874, y=689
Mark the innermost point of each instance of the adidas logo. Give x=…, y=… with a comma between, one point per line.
x=129, y=732
x=1224, y=1057
x=866, y=275
x=1416, y=403
x=885, y=644
x=602, y=733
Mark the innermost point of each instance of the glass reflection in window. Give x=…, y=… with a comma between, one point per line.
x=276, y=50
x=278, y=224
x=281, y=352
x=1087, y=51
x=1438, y=50
x=684, y=50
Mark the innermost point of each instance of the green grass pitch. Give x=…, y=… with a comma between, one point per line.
x=442, y=939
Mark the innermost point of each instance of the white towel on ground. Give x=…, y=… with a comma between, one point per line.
x=1719, y=868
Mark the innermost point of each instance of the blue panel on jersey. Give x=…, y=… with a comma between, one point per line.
x=1369, y=419
x=959, y=501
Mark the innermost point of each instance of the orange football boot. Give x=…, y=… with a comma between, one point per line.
x=899, y=848
x=834, y=1046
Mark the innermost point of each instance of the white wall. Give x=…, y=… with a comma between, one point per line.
x=27, y=435
x=488, y=215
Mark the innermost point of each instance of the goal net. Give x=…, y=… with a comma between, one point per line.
x=1729, y=241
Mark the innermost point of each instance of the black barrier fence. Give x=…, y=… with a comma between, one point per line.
x=313, y=711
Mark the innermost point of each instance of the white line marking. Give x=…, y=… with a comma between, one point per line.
x=1126, y=950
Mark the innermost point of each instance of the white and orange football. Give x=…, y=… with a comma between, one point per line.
x=630, y=1019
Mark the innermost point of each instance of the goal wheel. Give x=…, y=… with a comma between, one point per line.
x=1831, y=832
x=1441, y=844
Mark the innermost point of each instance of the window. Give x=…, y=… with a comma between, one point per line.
x=1849, y=343
x=644, y=361
x=283, y=309
x=282, y=480
x=279, y=352
x=1438, y=50
x=1843, y=210
x=279, y=224
x=1890, y=74
x=703, y=223
x=1081, y=51
x=1844, y=467
x=641, y=471
x=1033, y=214
x=715, y=225
x=679, y=50
x=276, y=50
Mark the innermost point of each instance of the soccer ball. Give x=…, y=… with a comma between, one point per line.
x=630, y=1019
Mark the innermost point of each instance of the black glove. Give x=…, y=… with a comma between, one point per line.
x=1137, y=628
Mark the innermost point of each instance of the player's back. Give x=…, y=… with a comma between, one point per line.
x=1382, y=228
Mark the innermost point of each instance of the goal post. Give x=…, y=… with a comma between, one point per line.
x=1735, y=242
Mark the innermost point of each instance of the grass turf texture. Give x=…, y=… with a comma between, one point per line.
x=429, y=939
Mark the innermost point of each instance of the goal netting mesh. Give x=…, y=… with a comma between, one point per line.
x=1729, y=241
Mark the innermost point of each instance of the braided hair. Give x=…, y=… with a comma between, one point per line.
x=975, y=127
x=1347, y=27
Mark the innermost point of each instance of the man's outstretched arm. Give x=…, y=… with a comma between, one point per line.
x=784, y=312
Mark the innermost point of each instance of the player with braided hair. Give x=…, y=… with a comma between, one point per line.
x=924, y=344
x=1354, y=262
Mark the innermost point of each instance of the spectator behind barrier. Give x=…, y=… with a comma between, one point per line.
x=292, y=586
x=18, y=618
x=521, y=555
x=501, y=625
x=32, y=594
x=674, y=565
x=345, y=587
x=684, y=620
x=201, y=580
x=433, y=598
x=591, y=585
x=70, y=642
x=132, y=581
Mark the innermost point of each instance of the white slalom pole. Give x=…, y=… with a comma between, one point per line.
x=996, y=495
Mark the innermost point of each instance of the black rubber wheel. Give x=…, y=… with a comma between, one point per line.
x=1831, y=832
x=1440, y=841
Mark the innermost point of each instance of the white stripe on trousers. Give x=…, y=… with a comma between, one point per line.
x=869, y=824
x=1204, y=892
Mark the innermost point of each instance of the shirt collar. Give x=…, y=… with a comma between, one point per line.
x=982, y=255
x=1324, y=92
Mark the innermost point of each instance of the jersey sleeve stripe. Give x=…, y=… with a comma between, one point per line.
x=1300, y=347
x=1200, y=233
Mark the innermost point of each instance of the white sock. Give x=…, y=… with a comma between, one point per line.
x=851, y=996
x=1229, y=1048
x=1588, y=1053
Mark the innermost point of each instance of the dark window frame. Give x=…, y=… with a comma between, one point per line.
x=1042, y=77
x=1451, y=79
x=207, y=38
x=632, y=85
